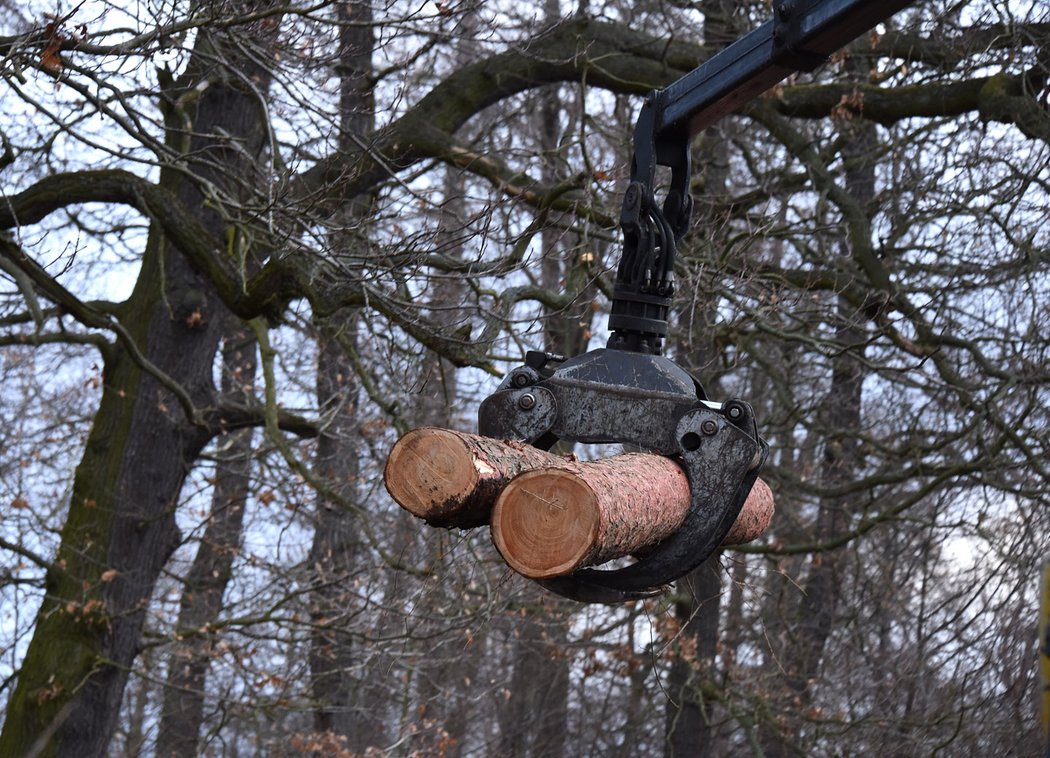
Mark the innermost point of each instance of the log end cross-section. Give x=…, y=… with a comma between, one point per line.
x=549, y=525
x=451, y=479
x=549, y=522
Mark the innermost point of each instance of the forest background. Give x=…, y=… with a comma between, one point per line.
x=245, y=245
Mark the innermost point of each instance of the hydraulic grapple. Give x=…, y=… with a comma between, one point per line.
x=628, y=392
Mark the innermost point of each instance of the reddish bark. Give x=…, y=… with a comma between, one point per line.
x=754, y=517
x=550, y=522
x=550, y=515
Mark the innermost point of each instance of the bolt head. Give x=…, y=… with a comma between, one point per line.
x=709, y=427
x=527, y=402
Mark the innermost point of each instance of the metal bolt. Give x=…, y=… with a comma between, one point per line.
x=734, y=412
x=709, y=427
x=527, y=402
x=520, y=380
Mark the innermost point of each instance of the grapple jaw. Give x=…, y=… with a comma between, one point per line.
x=648, y=401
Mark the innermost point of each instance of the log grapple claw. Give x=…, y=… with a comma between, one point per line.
x=648, y=401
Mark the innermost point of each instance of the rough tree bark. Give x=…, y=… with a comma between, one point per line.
x=551, y=521
x=815, y=610
x=182, y=712
x=121, y=528
x=345, y=707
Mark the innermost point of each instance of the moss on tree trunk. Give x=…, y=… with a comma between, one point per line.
x=121, y=527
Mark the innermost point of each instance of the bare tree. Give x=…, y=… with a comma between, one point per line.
x=182, y=711
x=871, y=271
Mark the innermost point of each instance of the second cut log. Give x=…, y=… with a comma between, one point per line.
x=549, y=522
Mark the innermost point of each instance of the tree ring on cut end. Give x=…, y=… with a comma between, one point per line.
x=440, y=458
x=546, y=526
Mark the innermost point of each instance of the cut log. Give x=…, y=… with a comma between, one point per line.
x=755, y=516
x=550, y=522
x=451, y=479
x=595, y=511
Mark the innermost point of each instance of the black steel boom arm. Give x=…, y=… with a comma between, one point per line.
x=799, y=37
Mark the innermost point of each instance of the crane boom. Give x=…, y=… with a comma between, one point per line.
x=800, y=36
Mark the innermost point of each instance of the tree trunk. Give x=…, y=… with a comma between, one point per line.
x=818, y=602
x=687, y=728
x=533, y=719
x=183, y=709
x=138, y=692
x=346, y=707
x=1044, y=653
x=446, y=680
x=335, y=660
x=121, y=525
x=533, y=712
